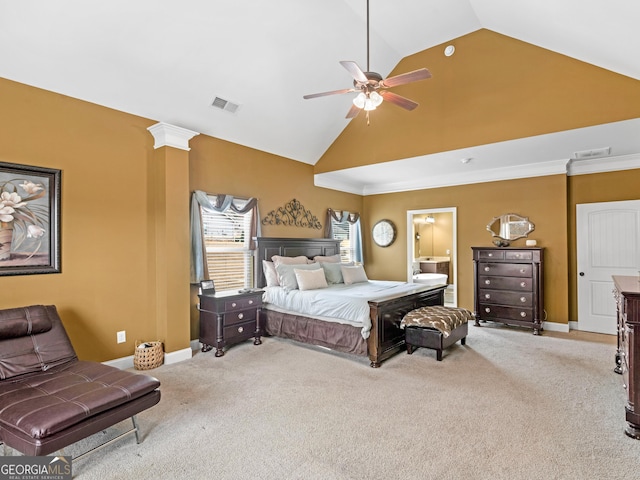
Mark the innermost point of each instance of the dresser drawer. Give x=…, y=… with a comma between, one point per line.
x=505, y=269
x=231, y=318
x=506, y=283
x=242, y=303
x=239, y=331
x=517, y=299
x=491, y=255
x=518, y=255
x=488, y=312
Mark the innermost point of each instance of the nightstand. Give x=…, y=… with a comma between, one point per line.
x=227, y=318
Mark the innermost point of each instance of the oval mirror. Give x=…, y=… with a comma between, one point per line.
x=510, y=226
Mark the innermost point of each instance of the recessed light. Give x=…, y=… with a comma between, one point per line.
x=449, y=50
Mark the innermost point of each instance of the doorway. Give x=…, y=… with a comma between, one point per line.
x=608, y=236
x=431, y=243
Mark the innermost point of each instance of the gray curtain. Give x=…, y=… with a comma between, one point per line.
x=215, y=203
x=353, y=219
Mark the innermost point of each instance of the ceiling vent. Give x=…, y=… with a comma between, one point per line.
x=225, y=105
x=596, y=152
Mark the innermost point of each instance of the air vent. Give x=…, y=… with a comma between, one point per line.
x=225, y=105
x=596, y=152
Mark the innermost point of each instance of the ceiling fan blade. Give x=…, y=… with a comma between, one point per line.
x=333, y=92
x=353, y=112
x=405, y=78
x=398, y=100
x=355, y=71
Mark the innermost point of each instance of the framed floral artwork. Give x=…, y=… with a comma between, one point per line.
x=29, y=220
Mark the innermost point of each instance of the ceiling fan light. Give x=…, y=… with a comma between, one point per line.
x=360, y=100
x=376, y=98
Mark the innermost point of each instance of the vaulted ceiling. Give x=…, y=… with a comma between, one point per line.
x=168, y=60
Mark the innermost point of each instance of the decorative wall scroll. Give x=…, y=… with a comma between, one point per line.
x=292, y=214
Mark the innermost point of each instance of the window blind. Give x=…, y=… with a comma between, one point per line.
x=344, y=232
x=226, y=243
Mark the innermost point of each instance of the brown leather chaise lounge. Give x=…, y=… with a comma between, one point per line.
x=48, y=398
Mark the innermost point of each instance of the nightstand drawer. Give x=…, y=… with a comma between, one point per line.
x=231, y=318
x=502, y=297
x=239, y=331
x=242, y=303
x=506, y=283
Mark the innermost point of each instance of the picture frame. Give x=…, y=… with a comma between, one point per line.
x=207, y=287
x=29, y=220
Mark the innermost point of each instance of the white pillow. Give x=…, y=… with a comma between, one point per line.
x=270, y=274
x=332, y=259
x=355, y=274
x=287, y=277
x=301, y=260
x=333, y=272
x=310, y=279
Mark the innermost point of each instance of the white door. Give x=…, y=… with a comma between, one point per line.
x=608, y=236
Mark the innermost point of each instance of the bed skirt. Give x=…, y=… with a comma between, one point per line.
x=336, y=336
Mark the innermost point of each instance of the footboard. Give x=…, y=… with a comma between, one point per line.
x=387, y=338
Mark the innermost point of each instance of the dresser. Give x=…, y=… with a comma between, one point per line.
x=627, y=294
x=227, y=318
x=509, y=286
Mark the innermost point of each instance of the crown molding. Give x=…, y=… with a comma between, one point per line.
x=166, y=135
x=601, y=165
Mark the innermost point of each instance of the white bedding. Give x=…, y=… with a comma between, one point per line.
x=339, y=303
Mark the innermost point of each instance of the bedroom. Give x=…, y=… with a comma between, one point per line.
x=123, y=264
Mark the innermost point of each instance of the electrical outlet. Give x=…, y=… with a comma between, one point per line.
x=122, y=336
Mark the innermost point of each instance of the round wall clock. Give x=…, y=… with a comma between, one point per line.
x=384, y=233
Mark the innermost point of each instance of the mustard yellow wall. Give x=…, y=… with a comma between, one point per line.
x=542, y=199
x=104, y=156
x=494, y=88
x=594, y=188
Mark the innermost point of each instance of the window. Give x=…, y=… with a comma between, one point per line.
x=346, y=233
x=226, y=243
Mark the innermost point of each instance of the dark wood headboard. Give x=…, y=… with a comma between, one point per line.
x=290, y=247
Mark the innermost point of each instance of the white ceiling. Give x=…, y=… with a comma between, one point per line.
x=167, y=60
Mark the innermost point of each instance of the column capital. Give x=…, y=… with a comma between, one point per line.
x=166, y=135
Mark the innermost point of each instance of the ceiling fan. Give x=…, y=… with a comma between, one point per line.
x=373, y=88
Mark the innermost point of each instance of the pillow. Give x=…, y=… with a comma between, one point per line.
x=287, y=276
x=332, y=259
x=301, y=260
x=355, y=274
x=270, y=274
x=333, y=272
x=310, y=279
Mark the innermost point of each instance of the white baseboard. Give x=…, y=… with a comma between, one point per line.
x=573, y=325
x=556, y=327
x=169, y=358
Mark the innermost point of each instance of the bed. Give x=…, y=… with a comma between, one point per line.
x=384, y=338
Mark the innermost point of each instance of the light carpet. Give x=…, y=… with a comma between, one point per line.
x=508, y=405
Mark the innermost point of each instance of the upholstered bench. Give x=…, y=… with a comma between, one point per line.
x=436, y=327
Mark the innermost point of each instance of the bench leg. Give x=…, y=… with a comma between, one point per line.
x=463, y=341
x=439, y=354
x=409, y=349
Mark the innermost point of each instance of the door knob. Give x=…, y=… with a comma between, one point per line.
x=581, y=274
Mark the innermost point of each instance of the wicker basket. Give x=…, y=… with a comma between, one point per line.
x=148, y=355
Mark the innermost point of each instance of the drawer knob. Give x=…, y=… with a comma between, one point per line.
x=240, y=316
x=517, y=255
x=490, y=255
x=523, y=284
x=487, y=295
x=487, y=282
x=250, y=302
x=488, y=310
x=522, y=270
x=523, y=314
x=233, y=304
x=523, y=299
x=486, y=269
x=240, y=329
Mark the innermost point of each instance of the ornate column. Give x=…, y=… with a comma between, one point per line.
x=169, y=238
